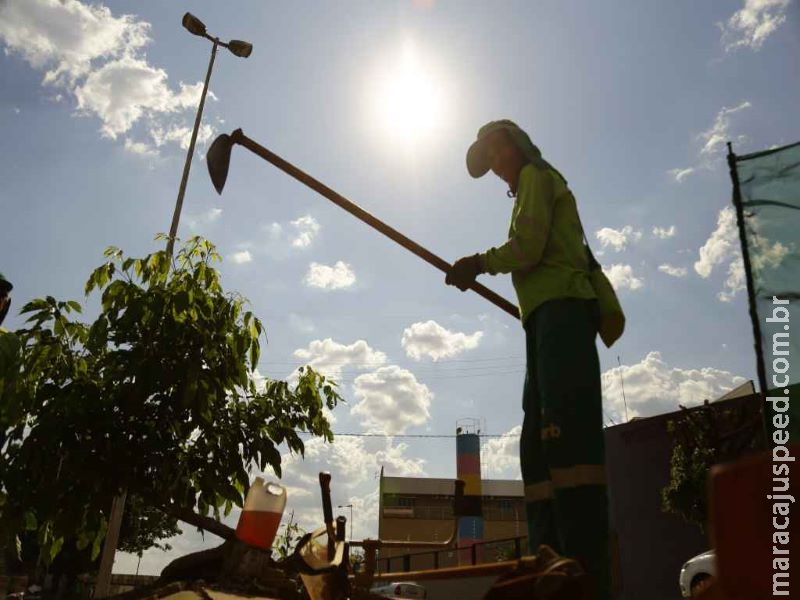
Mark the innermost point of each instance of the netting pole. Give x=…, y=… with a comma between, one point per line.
x=751, y=294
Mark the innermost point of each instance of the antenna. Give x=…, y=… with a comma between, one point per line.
x=622, y=385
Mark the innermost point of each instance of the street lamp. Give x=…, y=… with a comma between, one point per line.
x=243, y=49
x=239, y=48
x=350, y=506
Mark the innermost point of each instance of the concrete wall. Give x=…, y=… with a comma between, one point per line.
x=652, y=545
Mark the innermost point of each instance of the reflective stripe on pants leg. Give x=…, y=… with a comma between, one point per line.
x=566, y=477
x=542, y=490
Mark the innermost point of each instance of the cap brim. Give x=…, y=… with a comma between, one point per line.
x=477, y=159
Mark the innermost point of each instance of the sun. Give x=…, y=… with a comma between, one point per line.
x=407, y=102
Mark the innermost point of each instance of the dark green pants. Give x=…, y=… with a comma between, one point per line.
x=561, y=449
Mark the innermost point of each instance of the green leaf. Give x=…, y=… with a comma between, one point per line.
x=30, y=522
x=99, y=538
x=55, y=547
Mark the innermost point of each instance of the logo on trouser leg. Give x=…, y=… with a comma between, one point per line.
x=551, y=432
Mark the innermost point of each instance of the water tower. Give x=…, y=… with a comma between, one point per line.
x=468, y=469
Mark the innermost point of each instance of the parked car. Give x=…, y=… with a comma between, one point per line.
x=696, y=574
x=413, y=591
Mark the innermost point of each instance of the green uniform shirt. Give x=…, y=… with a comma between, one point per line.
x=545, y=253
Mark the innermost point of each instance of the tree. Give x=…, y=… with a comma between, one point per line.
x=155, y=396
x=704, y=436
x=289, y=533
x=693, y=455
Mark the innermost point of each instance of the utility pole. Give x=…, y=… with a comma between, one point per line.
x=350, y=506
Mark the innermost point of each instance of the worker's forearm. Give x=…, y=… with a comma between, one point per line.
x=517, y=254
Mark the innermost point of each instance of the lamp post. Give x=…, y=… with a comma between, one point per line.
x=242, y=49
x=350, y=506
x=237, y=47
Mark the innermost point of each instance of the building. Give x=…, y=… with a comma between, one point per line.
x=648, y=546
x=415, y=508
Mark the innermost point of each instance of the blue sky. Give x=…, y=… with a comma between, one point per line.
x=632, y=101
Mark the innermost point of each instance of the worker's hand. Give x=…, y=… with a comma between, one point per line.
x=463, y=273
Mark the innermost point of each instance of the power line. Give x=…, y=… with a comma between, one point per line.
x=414, y=435
x=378, y=363
x=428, y=378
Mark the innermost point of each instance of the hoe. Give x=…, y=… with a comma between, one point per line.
x=219, y=158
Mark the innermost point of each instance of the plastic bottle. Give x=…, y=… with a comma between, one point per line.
x=262, y=513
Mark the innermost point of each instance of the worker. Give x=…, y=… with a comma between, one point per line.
x=562, y=455
x=5, y=298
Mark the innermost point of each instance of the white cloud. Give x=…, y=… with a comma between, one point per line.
x=673, y=271
x=139, y=148
x=67, y=37
x=99, y=59
x=680, y=174
x=242, y=257
x=664, y=233
x=330, y=357
x=306, y=228
x=182, y=135
x=354, y=464
x=734, y=282
x=500, y=456
x=715, y=138
x=337, y=277
x=123, y=90
x=618, y=239
x=198, y=220
x=763, y=254
x=434, y=341
x=622, y=277
x=721, y=244
x=299, y=233
x=751, y=25
x=713, y=142
x=654, y=387
x=357, y=458
x=390, y=400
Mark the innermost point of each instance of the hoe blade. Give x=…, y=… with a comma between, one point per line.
x=218, y=159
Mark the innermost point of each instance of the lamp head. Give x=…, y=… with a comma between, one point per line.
x=240, y=48
x=193, y=25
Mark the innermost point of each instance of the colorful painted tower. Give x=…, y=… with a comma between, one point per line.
x=468, y=469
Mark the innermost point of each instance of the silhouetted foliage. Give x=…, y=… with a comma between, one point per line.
x=704, y=436
x=155, y=396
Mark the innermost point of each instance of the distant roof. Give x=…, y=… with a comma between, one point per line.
x=746, y=389
x=432, y=486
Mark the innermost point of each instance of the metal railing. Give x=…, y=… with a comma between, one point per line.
x=490, y=551
x=445, y=513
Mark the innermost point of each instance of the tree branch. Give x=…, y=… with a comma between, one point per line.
x=204, y=523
